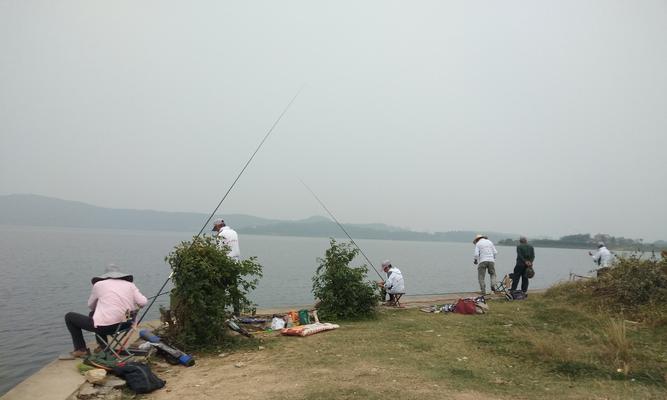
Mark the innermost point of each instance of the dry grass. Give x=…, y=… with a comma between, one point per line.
x=617, y=344
x=534, y=349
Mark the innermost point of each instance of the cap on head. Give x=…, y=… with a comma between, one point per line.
x=386, y=263
x=523, y=239
x=477, y=238
x=218, y=222
x=600, y=244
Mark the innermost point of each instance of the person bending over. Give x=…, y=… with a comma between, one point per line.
x=394, y=284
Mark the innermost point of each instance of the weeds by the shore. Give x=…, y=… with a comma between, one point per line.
x=634, y=289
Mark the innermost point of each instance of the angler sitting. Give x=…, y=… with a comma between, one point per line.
x=112, y=296
x=394, y=284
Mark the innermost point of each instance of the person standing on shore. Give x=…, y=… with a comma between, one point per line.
x=602, y=258
x=525, y=255
x=485, y=259
x=112, y=297
x=227, y=237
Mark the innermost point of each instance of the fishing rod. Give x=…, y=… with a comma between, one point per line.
x=341, y=227
x=223, y=198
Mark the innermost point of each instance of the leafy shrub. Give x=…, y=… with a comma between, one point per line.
x=207, y=284
x=634, y=282
x=342, y=290
x=634, y=287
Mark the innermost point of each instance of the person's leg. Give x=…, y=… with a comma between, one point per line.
x=492, y=273
x=516, y=275
x=102, y=334
x=481, y=275
x=524, y=280
x=236, y=300
x=75, y=324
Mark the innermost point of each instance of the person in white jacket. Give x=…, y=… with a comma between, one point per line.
x=227, y=237
x=394, y=284
x=485, y=259
x=603, y=257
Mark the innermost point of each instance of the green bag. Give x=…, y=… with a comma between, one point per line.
x=304, y=317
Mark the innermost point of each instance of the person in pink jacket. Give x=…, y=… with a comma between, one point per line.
x=111, y=300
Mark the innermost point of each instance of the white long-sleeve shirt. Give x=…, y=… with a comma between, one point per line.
x=228, y=237
x=394, y=283
x=603, y=257
x=485, y=251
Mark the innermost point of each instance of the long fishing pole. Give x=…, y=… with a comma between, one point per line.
x=224, y=197
x=341, y=227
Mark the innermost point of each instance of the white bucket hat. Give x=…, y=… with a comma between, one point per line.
x=112, y=271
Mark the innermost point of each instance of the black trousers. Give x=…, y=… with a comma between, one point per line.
x=77, y=323
x=520, y=273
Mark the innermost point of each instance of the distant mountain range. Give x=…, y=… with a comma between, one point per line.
x=34, y=210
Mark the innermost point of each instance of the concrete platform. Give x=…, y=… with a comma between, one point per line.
x=56, y=381
x=59, y=379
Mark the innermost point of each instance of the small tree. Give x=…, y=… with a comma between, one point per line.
x=207, y=283
x=342, y=290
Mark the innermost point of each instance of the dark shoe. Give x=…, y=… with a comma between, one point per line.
x=79, y=353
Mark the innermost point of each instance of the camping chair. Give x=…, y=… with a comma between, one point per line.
x=115, y=349
x=395, y=300
x=505, y=286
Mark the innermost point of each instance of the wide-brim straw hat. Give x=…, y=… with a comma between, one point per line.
x=112, y=271
x=479, y=237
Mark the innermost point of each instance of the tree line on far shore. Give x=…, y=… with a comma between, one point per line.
x=588, y=241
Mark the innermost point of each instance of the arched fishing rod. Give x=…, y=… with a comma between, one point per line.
x=223, y=199
x=341, y=227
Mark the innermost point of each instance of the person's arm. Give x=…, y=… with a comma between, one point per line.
x=596, y=257
x=476, y=255
x=495, y=252
x=92, y=300
x=139, y=299
x=389, y=283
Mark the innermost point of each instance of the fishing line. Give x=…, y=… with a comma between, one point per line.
x=341, y=227
x=223, y=198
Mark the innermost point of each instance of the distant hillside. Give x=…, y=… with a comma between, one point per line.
x=27, y=209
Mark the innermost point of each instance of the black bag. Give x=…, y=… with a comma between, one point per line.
x=139, y=377
x=518, y=295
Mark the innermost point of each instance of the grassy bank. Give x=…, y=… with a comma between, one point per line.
x=539, y=348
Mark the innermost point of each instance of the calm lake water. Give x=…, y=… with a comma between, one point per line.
x=46, y=272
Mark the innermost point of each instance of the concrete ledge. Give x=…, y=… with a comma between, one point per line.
x=56, y=381
x=59, y=379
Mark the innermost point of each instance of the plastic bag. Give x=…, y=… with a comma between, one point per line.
x=277, y=323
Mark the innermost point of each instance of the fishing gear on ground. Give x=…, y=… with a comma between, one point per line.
x=170, y=353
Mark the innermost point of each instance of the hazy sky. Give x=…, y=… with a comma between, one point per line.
x=534, y=117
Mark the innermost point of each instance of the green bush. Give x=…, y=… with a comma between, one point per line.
x=633, y=286
x=634, y=281
x=207, y=285
x=343, y=291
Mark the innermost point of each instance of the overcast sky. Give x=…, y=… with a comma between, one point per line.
x=534, y=117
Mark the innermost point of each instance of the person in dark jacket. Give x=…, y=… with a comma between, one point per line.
x=525, y=255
